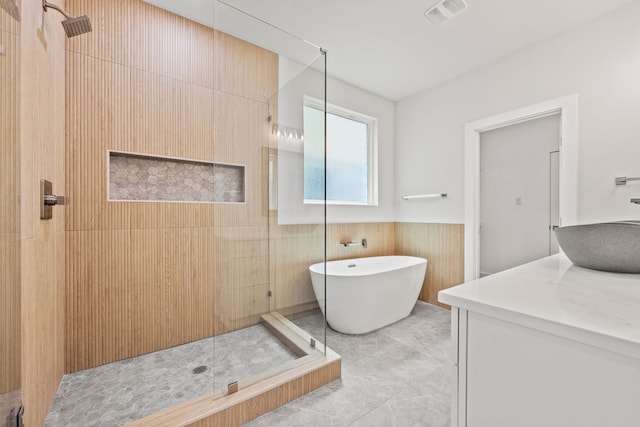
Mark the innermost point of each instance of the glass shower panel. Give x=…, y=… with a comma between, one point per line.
x=197, y=235
x=260, y=263
x=10, y=382
x=297, y=226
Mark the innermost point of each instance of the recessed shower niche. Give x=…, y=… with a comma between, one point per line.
x=137, y=177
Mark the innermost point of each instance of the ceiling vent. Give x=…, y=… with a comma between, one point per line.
x=445, y=10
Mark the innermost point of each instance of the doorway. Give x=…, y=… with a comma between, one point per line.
x=567, y=106
x=519, y=193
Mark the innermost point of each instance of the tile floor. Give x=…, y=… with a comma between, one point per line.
x=114, y=394
x=397, y=376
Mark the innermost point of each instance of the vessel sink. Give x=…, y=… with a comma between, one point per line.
x=607, y=246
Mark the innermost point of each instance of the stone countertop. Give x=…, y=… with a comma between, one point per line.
x=554, y=296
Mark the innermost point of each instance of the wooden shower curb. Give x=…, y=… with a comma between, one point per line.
x=262, y=393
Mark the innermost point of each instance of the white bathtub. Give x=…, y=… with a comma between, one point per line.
x=365, y=294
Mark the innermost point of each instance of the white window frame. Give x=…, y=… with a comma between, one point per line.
x=372, y=126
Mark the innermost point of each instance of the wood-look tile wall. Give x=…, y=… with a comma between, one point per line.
x=42, y=244
x=443, y=247
x=10, y=208
x=146, y=276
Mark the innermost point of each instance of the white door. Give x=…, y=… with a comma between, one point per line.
x=517, y=202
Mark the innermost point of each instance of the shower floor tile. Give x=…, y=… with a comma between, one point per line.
x=127, y=390
x=397, y=376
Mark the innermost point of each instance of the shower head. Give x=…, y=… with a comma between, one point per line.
x=72, y=26
x=11, y=8
x=77, y=26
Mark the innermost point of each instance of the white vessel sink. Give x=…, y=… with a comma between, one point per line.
x=607, y=246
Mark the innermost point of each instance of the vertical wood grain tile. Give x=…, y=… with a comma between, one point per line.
x=443, y=247
x=99, y=302
x=244, y=69
x=160, y=41
x=160, y=112
x=10, y=354
x=203, y=282
x=98, y=119
x=110, y=38
x=160, y=286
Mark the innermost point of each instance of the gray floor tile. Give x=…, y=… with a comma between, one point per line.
x=397, y=376
x=426, y=411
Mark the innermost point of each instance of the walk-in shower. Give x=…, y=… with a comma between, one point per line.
x=184, y=149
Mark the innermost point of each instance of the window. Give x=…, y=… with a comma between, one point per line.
x=351, y=149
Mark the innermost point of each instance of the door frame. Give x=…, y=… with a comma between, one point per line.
x=567, y=106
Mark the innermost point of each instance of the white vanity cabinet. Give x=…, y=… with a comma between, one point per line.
x=546, y=344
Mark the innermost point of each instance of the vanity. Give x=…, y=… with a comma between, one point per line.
x=546, y=344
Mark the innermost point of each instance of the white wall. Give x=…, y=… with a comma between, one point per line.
x=291, y=210
x=599, y=60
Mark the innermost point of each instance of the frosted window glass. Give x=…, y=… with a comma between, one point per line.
x=347, y=158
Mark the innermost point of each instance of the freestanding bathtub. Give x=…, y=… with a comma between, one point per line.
x=365, y=294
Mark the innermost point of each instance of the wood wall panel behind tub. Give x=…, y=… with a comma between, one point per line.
x=296, y=247
x=443, y=247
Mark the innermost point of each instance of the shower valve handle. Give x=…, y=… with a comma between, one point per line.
x=48, y=200
x=52, y=200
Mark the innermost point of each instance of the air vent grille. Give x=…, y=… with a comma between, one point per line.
x=445, y=10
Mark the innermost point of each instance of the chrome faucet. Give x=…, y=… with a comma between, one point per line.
x=362, y=243
x=635, y=201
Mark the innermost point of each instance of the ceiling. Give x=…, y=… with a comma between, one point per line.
x=388, y=47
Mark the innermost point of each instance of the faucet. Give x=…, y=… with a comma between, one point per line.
x=635, y=201
x=362, y=243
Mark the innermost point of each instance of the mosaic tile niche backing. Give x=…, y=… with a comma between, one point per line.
x=137, y=177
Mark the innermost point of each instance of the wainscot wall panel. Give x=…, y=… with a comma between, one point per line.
x=443, y=247
x=296, y=247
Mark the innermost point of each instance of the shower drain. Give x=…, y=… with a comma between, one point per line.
x=199, y=369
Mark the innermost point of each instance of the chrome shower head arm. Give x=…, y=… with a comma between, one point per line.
x=46, y=5
x=72, y=26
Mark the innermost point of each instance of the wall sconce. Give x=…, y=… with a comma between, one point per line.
x=289, y=138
